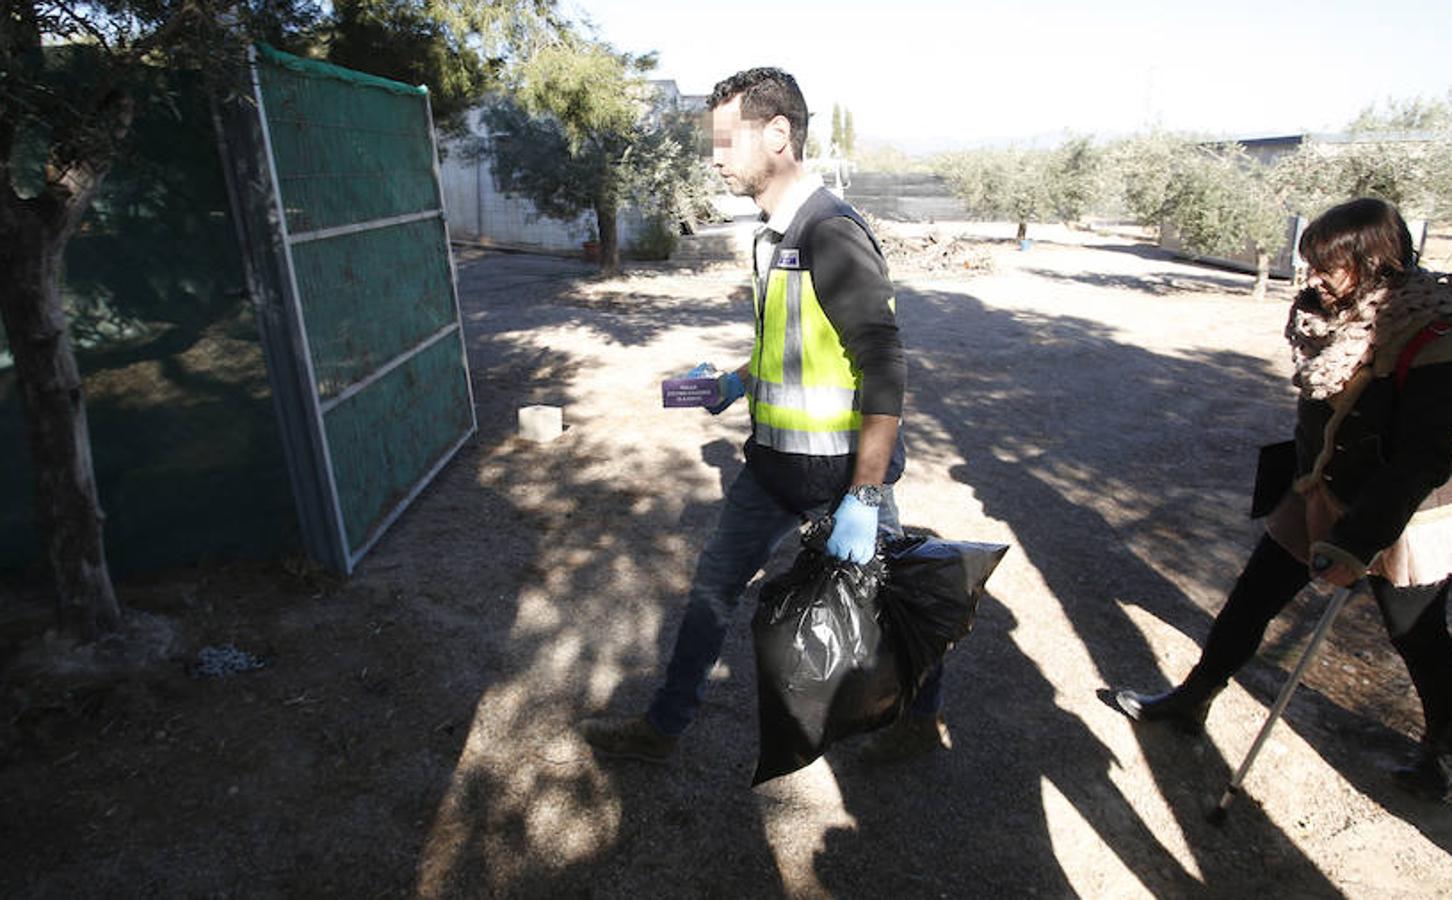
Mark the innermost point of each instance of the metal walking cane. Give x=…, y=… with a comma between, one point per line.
x=1333, y=607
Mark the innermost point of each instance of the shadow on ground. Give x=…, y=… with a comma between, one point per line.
x=411, y=733
x=1110, y=483
x=1042, y=451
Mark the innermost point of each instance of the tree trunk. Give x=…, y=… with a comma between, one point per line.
x=33, y=236
x=1022, y=231
x=605, y=221
x=1262, y=275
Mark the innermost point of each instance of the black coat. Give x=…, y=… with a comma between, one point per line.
x=1392, y=454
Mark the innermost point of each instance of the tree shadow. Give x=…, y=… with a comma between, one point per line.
x=553, y=291
x=425, y=708
x=1142, y=249
x=1124, y=475
x=529, y=811
x=1168, y=283
x=538, y=814
x=974, y=821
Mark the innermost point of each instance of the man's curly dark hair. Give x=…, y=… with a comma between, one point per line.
x=766, y=93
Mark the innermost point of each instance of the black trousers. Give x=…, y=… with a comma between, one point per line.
x=1415, y=620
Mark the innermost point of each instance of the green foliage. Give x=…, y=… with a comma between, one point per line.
x=292, y=26
x=1013, y=184
x=583, y=132
x=1217, y=198
x=458, y=48
x=73, y=77
x=875, y=157
x=656, y=241
x=844, y=135
x=1416, y=176
x=1075, y=172
x=1028, y=185
x=662, y=174
x=1221, y=200
x=596, y=94
x=531, y=157
x=1415, y=114
x=1145, y=168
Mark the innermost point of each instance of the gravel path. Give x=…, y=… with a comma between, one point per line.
x=1093, y=403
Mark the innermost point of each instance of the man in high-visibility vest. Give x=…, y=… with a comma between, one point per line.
x=824, y=386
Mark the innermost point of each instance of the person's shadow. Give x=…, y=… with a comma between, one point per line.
x=974, y=820
x=977, y=818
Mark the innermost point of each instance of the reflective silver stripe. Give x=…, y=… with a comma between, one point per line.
x=811, y=443
x=816, y=401
x=791, y=353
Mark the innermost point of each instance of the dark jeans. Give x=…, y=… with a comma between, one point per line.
x=753, y=524
x=1415, y=620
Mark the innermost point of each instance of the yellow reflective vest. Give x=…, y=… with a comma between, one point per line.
x=804, y=391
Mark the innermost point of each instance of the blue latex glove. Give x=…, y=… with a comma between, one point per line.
x=854, y=531
x=730, y=388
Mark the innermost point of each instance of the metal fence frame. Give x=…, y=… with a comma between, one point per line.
x=272, y=274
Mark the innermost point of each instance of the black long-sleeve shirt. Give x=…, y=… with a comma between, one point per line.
x=855, y=291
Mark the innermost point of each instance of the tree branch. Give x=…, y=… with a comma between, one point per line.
x=168, y=29
x=83, y=23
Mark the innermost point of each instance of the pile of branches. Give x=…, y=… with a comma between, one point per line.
x=934, y=253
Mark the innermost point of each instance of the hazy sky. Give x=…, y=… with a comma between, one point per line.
x=924, y=73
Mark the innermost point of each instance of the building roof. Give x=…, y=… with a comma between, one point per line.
x=1338, y=137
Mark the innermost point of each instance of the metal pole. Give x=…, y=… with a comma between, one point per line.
x=1333, y=609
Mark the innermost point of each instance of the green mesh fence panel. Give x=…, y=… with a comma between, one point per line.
x=348, y=148
x=371, y=296
x=425, y=405
x=354, y=163
x=185, y=444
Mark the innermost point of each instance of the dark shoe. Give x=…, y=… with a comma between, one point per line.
x=906, y=738
x=1184, y=709
x=1430, y=777
x=632, y=737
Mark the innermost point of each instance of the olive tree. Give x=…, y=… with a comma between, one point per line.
x=581, y=131
x=1011, y=184
x=1075, y=171
x=1414, y=175
x=1222, y=201
x=73, y=77
x=1145, y=169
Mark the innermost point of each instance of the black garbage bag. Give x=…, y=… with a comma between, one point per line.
x=823, y=669
x=930, y=599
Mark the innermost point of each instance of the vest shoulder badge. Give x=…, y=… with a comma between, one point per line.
x=789, y=259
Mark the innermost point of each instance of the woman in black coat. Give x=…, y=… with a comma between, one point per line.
x=1371, y=338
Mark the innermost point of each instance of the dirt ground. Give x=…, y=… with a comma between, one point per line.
x=408, y=731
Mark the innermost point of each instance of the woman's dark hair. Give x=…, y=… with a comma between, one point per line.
x=765, y=94
x=1366, y=236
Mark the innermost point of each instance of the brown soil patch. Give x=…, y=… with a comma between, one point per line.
x=1092, y=402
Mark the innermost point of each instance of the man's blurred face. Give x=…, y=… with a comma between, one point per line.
x=738, y=151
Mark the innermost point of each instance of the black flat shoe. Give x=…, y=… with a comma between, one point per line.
x=1180, y=708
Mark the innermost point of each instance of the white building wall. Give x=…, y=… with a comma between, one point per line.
x=479, y=211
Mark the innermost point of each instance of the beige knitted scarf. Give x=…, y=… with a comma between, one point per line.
x=1328, y=347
